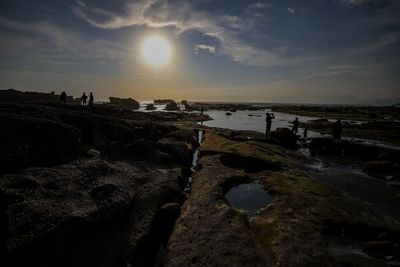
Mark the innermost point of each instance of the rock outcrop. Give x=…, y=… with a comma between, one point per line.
x=128, y=103
x=12, y=95
x=151, y=107
x=163, y=101
x=285, y=136
x=79, y=188
x=93, y=213
x=171, y=106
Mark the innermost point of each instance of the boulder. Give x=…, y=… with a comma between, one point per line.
x=151, y=107
x=141, y=150
x=285, y=136
x=172, y=106
x=163, y=101
x=180, y=151
x=128, y=103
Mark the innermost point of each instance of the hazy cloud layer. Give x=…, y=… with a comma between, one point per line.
x=47, y=41
x=184, y=17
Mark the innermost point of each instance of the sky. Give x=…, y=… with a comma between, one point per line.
x=273, y=51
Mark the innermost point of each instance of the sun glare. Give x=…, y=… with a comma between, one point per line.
x=156, y=51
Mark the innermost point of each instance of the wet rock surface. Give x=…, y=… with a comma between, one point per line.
x=307, y=223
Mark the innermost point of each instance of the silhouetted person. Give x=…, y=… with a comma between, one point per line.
x=295, y=128
x=268, y=121
x=202, y=109
x=337, y=129
x=91, y=99
x=84, y=99
x=305, y=133
x=63, y=97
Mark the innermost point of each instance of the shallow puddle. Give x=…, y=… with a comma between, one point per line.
x=249, y=197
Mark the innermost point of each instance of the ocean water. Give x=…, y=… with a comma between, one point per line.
x=254, y=120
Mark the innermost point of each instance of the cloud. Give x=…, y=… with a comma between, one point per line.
x=368, y=69
x=379, y=44
x=182, y=16
x=352, y=3
x=46, y=41
x=208, y=48
x=291, y=10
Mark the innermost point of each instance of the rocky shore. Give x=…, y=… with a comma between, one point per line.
x=107, y=186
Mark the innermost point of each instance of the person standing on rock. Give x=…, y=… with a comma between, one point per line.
x=268, y=121
x=84, y=99
x=337, y=129
x=63, y=98
x=295, y=128
x=91, y=99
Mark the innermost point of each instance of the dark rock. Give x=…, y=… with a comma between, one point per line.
x=163, y=101
x=360, y=260
x=128, y=103
x=151, y=107
x=285, y=136
x=180, y=151
x=96, y=214
x=185, y=135
x=326, y=145
x=12, y=95
x=172, y=106
x=29, y=141
x=141, y=150
x=228, y=114
x=171, y=211
x=381, y=168
x=370, y=152
x=381, y=249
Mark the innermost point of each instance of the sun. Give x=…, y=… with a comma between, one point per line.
x=156, y=51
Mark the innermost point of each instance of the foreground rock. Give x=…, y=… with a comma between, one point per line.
x=91, y=214
x=88, y=188
x=307, y=224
